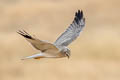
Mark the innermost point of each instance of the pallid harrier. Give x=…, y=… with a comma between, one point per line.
x=59, y=48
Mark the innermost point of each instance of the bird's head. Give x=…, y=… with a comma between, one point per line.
x=67, y=52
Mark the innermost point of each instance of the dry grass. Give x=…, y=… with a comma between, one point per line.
x=95, y=55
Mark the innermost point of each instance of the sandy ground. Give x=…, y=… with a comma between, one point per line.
x=95, y=54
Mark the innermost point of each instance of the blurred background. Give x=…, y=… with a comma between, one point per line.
x=95, y=54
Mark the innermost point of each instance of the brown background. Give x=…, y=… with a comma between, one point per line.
x=95, y=54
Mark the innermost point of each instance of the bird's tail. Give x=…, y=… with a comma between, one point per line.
x=35, y=56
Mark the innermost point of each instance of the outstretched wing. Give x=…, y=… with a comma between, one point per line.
x=38, y=44
x=73, y=31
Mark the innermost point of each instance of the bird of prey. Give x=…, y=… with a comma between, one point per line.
x=59, y=48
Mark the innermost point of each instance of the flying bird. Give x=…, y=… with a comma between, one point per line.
x=59, y=48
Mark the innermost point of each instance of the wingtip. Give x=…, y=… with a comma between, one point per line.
x=17, y=31
x=80, y=12
x=24, y=34
x=78, y=16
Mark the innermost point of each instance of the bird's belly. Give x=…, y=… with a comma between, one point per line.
x=54, y=55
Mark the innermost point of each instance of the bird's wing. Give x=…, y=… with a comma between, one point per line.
x=73, y=31
x=38, y=44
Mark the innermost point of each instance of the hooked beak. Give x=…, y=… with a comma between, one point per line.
x=68, y=56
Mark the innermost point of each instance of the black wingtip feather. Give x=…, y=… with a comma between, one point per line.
x=24, y=34
x=78, y=16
